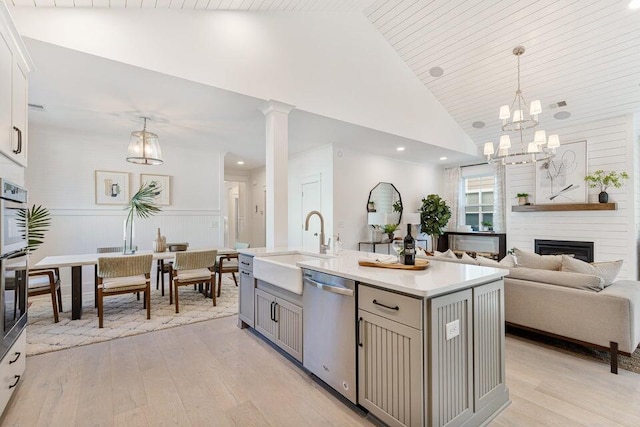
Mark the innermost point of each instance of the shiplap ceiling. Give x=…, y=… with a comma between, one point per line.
x=584, y=52
x=240, y=5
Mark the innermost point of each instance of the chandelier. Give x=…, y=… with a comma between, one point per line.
x=524, y=117
x=144, y=147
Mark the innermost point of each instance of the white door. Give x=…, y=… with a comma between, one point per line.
x=311, y=202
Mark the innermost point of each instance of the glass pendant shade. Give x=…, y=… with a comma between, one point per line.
x=540, y=137
x=504, y=112
x=488, y=148
x=144, y=148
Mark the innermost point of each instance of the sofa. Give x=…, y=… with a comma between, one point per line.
x=569, y=299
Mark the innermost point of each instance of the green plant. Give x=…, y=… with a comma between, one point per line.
x=487, y=223
x=434, y=215
x=522, y=195
x=397, y=206
x=34, y=223
x=604, y=179
x=141, y=205
x=389, y=228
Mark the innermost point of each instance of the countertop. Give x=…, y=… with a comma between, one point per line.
x=439, y=278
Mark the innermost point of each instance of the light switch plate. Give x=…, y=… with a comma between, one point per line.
x=453, y=329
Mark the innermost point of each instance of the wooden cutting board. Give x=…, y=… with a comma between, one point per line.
x=421, y=264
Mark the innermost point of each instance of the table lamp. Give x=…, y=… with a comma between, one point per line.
x=375, y=219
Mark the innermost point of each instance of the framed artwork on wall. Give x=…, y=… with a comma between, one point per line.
x=164, y=181
x=561, y=178
x=112, y=188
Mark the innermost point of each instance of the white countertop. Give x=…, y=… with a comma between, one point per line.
x=439, y=278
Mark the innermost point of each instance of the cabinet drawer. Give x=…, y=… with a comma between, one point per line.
x=400, y=308
x=11, y=369
x=245, y=262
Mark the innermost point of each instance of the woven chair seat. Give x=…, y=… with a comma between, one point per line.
x=195, y=274
x=139, y=281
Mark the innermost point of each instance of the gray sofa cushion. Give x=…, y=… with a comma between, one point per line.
x=605, y=270
x=585, y=282
x=541, y=262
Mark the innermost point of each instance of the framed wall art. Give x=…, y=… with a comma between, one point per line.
x=561, y=178
x=164, y=181
x=112, y=188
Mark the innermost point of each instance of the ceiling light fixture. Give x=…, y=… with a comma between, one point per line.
x=443, y=158
x=400, y=148
x=240, y=162
x=525, y=116
x=144, y=147
x=634, y=4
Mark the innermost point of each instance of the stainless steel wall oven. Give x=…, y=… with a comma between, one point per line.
x=13, y=265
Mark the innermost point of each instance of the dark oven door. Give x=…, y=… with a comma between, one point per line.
x=13, y=297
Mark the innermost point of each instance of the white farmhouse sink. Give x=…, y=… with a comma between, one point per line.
x=281, y=270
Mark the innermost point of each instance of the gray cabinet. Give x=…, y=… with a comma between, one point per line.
x=12, y=368
x=280, y=321
x=246, y=298
x=450, y=351
x=390, y=356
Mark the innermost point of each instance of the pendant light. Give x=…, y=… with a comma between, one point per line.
x=144, y=147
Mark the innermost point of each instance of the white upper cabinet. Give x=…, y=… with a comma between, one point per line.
x=15, y=65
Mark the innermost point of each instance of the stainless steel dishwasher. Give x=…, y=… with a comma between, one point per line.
x=329, y=330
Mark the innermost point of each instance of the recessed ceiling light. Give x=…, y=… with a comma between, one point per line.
x=240, y=162
x=562, y=115
x=443, y=158
x=400, y=148
x=634, y=4
x=478, y=125
x=436, y=72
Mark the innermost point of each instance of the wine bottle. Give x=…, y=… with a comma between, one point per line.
x=409, y=248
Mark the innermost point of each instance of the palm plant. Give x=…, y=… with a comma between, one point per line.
x=34, y=223
x=142, y=205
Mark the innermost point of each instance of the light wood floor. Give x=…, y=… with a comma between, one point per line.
x=214, y=374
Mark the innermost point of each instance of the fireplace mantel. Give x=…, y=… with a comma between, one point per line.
x=566, y=207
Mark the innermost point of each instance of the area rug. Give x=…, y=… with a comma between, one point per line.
x=123, y=316
x=629, y=363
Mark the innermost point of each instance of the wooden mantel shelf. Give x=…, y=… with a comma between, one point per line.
x=566, y=207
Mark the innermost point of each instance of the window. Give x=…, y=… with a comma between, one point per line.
x=478, y=207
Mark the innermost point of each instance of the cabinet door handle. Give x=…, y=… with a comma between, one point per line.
x=17, y=377
x=271, y=312
x=19, y=149
x=396, y=308
x=16, y=359
x=360, y=333
x=245, y=273
x=244, y=263
x=275, y=312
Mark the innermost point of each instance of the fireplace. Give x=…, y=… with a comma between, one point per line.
x=581, y=250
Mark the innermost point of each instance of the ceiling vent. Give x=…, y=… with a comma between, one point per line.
x=558, y=104
x=37, y=107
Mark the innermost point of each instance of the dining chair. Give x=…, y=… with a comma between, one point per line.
x=43, y=282
x=163, y=267
x=106, y=250
x=122, y=275
x=229, y=264
x=192, y=268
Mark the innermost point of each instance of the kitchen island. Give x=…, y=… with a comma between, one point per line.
x=414, y=348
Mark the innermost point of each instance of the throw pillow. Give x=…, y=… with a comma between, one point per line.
x=468, y=259
x=486, y=262
x=605, y=270
x=448, y=254
x=586, y=282
x=540, y=262
x=508, y=262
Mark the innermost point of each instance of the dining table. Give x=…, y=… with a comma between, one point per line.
x=77, y=261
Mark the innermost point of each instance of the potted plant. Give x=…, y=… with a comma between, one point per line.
x=389, y=229
x=434, y=215
x=397, y=206
x=486, y=225
x=141, y=205
x=523, y=199
x=603, y=180
x=34, y=223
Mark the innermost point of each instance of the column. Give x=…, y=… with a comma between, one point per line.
x=277, y=153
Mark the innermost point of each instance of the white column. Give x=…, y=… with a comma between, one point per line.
x=277, y=153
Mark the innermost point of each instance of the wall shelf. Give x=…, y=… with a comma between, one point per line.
x=566, y=207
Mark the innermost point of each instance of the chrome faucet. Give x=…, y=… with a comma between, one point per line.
x=323, y=247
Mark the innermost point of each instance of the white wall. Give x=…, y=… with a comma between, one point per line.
x=356, y=173
x=610, y=146
x=302, y=168
x=61, y=177
x=256, y=211
x=336, y=65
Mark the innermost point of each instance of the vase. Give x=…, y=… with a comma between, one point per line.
x=159, y=243
x=129, y=232
x=603, y=197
